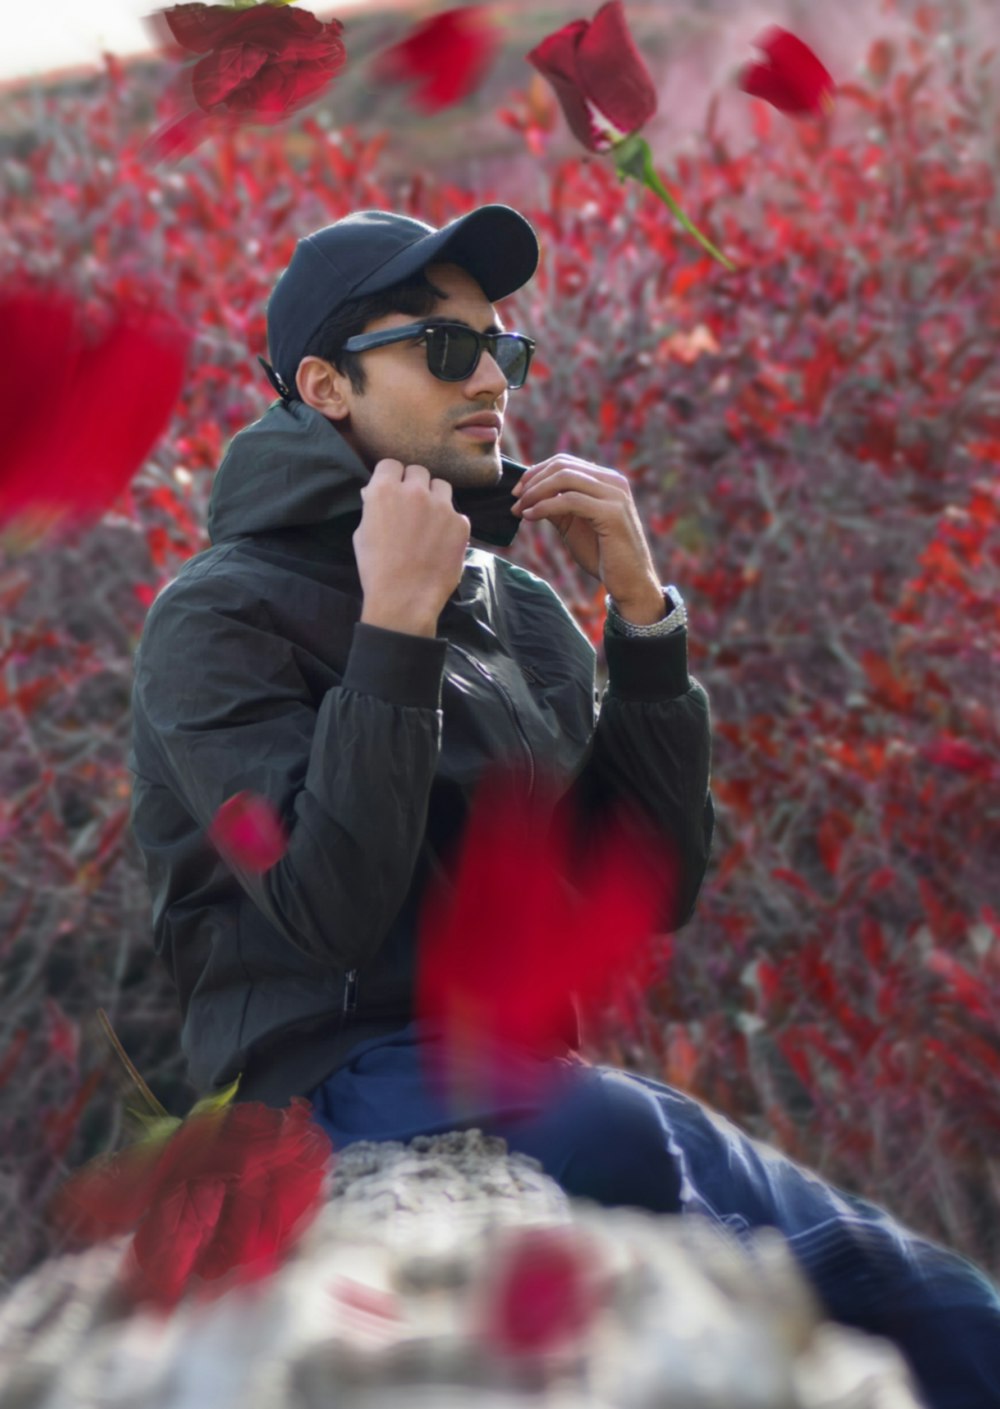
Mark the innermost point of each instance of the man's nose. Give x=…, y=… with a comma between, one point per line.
x=487, y=376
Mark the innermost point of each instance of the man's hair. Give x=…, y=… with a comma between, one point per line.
x=415, y=296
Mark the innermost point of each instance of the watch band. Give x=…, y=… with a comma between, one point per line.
x=675, y=617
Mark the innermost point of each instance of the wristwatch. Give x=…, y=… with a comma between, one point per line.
x=673, y=605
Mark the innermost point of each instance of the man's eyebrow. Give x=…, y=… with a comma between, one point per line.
x=493, y=327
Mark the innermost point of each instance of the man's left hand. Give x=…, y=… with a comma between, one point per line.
x=596, y=517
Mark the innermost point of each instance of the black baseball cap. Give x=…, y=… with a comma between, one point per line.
x=369, y=250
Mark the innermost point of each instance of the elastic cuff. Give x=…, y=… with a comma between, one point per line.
x=396, y=666
x=647, y=668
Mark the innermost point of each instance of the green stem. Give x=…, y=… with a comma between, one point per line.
x=129, y=1066
x=633, y=158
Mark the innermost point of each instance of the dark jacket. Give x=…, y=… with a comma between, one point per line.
x=254, y=672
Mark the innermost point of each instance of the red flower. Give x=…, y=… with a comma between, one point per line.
x=448, y=55
x=261, y=64
x=221, y=1200
x=607, y=95
x=529, y=921
x=793, y=79
x=81, y=408
x=599, y=76
x=248, y=832
x=543, y=1294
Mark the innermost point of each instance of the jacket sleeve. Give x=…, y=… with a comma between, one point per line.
x=224, y=707
x=651, y=751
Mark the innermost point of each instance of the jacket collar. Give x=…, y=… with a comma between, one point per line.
x=293, y=468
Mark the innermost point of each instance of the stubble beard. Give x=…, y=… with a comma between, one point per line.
x=477, y=467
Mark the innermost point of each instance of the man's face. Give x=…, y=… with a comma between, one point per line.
x=408, y=414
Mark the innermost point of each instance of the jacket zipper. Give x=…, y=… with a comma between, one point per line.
x=351, y=991
x=511, y=706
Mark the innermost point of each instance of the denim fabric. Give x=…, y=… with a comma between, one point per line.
x=622, y=1139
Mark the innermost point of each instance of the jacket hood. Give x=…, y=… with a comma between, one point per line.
x=293, y=469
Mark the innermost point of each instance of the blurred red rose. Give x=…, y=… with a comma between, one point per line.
x=83, y=400
x=220, y=1200
x=260, y=63
x=248, y=832
x=793, y=79
x=448, y=55
x=599, y=76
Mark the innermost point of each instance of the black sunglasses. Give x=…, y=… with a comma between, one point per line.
x=454, y=350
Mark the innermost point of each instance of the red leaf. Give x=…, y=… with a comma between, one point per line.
x=797, y=882
x=64, y=1033
x=970, y=991
x=889, y=689
x=880, y=59
x=947, y=751
x=248, y=832
x=13, y=1055
x=447, y=55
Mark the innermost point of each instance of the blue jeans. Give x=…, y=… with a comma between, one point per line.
x=622, y=1139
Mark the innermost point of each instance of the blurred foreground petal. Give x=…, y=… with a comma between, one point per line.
x=447, y=56
x=529, y=922
x=259, y=64
x=83, y=409
x=792, y=79
x=544, y=1291
x=219, y=1202
x=248, y=832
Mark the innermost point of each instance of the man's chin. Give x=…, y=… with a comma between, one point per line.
x=480, y=470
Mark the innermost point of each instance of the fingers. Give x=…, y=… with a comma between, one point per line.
x=390, y=469
x=610, y=485
x=597, y=509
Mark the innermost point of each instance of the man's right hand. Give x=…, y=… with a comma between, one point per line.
x=410, y=548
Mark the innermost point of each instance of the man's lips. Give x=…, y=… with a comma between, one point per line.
x=485, y=419
x=480, y=432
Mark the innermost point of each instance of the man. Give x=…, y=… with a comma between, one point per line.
x=342, y=651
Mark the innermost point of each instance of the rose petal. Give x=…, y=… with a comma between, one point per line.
x=248, y=832
x=108, y=401
x=447, y=55
x=793, y=80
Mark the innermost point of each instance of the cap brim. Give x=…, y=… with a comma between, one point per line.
x=495, y=244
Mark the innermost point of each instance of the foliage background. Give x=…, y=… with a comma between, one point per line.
x=812, y=443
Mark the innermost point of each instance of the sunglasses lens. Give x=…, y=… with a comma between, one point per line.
x=452, y=355
x=512, y=355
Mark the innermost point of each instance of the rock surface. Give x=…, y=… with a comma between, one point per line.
x=389, y=1302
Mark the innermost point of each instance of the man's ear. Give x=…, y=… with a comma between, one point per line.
x=323, y=388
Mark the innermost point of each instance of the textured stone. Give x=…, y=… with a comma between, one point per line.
x=381, y=1306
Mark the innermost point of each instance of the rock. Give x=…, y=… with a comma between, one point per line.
x=388, y=1299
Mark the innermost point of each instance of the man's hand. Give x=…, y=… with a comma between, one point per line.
x=596, y=517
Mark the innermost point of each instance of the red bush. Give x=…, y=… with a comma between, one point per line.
x=811, y=443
